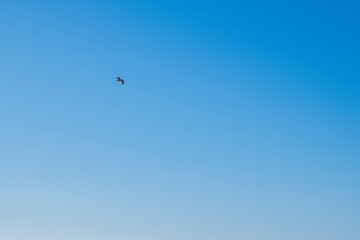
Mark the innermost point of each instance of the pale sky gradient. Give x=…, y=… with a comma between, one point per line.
x=238, y=120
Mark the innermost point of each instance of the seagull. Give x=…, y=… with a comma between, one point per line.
x=120, y=80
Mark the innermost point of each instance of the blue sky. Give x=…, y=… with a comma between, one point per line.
x=237, y=120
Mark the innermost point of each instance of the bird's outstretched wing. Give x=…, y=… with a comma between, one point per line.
x=120, y=80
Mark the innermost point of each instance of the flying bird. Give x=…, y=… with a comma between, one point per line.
x=120, y=80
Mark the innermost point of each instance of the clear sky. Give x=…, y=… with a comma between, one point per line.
x=237, y=120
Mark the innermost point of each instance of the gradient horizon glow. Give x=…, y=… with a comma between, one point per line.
x=238, y=120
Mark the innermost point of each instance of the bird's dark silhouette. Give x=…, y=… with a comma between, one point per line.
x=120, y=80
